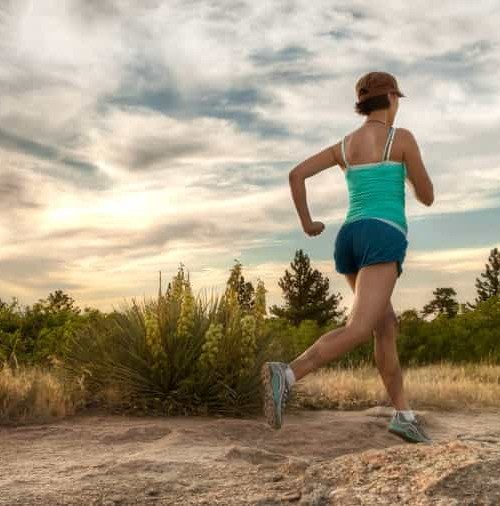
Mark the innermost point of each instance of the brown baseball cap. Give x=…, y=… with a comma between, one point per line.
x=376, y=83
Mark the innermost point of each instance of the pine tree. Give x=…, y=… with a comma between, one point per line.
x=443, y=303
x=306, y=294
x=56, y=302
x=409, y=315
x=491, y=284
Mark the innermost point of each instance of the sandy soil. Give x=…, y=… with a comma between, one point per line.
x=318, y=457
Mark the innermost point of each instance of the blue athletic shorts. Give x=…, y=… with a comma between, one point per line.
x=368, y=241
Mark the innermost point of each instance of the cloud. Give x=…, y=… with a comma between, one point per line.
x=136, y=135
x=25, y=271
x=451, y=260
x=14, y=193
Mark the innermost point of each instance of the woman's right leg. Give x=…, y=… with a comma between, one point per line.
x=374, y=286
x=386, y=353
x=387, y=359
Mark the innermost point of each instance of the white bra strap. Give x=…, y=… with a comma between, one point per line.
x=343, y=152
x=387, y=142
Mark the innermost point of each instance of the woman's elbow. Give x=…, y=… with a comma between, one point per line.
x=293, y=176
x=428, y=200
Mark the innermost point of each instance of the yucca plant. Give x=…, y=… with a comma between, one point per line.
x=176, y=355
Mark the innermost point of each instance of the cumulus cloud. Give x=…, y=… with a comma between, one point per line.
x=136, y=135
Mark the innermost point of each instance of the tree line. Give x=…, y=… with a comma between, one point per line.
x=443, y=329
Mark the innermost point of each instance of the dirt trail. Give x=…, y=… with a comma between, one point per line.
x=318, y=457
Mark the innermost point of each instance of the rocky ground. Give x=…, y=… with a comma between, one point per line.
x=318, y=457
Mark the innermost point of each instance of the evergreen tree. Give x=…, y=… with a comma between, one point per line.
x=57, y=302
x=443, y=303
x=306, y=294
x=409, y=315
x=491, y=284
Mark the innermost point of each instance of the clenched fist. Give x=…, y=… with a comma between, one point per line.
x=314, y=228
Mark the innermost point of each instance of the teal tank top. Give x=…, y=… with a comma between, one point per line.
x=377, y=189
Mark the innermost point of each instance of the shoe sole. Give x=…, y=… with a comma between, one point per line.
x=406, y=438
x=269, y=409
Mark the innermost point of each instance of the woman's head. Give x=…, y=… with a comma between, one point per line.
x=377, y=91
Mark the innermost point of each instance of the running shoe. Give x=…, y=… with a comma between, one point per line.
x=276, y=392
x=412, y=432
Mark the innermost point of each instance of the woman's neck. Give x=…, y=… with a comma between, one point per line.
x=379, y=118
x=375, y=121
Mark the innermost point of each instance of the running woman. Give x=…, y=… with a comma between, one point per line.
x=369, y=249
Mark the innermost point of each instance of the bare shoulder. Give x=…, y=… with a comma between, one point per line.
x=337, y=152
x=407, y=143
x=405, y=134
x=336, y=149
x=406, y=138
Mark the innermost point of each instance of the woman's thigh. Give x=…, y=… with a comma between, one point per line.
x=372, y=286
x=389, y=314
x=351, y=280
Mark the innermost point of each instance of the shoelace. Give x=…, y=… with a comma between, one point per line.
x=286, y=394
x=419, y=423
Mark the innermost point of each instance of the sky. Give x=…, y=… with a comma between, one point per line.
x=139, y=136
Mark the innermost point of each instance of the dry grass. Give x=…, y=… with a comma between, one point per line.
x=444, y=386
x=34, y=395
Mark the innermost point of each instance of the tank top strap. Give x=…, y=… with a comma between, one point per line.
x=343, y=152
x=387, y=147
x=388, y=143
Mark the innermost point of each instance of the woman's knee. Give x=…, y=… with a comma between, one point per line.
x=386, y=324
x=359, y=330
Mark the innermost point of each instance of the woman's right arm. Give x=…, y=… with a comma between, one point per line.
x=415, y=168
